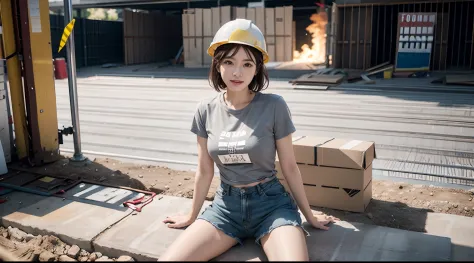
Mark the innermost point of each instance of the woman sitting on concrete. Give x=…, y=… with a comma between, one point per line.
x=240, y=130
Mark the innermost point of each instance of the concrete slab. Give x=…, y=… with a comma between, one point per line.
x=16, y=201
x=359, y=242
x=459, y=228
x=73, y=222
x=143, y=236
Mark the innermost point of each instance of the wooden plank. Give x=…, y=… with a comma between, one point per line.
x=270, y=32
x=288, y=50
x=216, y=19
x=382, y=69
x=270, y=22
x=192, y=39
x=191, y=26
x=280, y=33
x=187, y=52
x=198, y=22
x=185, y=27
x=318, y=79
x=184, y=21
x=378, y=66
x=207, y=22
x=225, y=14
x=260, y=18
x=310, y=87
x=207, y=33
x=271, y=52
x=239, y=12
x=199, y=51
x=207, y=60
x=293, y=39
x=251, y=15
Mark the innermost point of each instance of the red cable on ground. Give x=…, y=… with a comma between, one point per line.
x=132, y=203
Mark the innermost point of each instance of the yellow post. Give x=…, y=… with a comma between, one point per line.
x=39, y=74
x=14, y=78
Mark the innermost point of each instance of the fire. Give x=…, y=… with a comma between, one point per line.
x=317, y=53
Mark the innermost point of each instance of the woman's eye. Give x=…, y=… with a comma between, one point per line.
x=227, y=62
x=248, y=65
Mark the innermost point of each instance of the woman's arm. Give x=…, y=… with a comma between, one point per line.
x=202, y=182
x=292, y=175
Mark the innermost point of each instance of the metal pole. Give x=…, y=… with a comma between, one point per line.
x=71, y=61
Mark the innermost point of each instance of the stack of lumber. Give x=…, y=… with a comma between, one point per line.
x=320, y=78
x=201, y=24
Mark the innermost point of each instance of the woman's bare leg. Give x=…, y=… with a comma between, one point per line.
x=285, y=243
x=201, y=241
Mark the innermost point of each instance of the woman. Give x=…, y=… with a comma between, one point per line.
x=240, y=130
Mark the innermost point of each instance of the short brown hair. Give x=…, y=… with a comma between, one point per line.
x=258, y=83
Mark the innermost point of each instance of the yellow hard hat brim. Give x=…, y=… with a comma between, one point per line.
x=212, y=49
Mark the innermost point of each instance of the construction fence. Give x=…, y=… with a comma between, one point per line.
x=97, y=42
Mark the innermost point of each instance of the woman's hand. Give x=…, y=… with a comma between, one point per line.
x=178, y=221
x=320, y=220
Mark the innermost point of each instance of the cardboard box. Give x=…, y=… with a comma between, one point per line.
x=337, y=188
x=331, y=152
x=343, y=153
x=305, y=148
x=337, y=198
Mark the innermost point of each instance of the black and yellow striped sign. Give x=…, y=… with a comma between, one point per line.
x=66, y=33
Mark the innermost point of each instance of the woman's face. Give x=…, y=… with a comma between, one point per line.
x=238, y=71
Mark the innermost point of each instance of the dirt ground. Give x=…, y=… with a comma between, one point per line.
x=394, y=204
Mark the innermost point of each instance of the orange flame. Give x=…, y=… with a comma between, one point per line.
x=317, y=53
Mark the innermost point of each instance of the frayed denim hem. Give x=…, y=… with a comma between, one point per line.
x=229, y=234
x=290, y=223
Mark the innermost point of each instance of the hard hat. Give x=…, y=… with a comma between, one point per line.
x=239, y=31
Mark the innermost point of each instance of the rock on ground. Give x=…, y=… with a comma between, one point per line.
x=125, y=259
x=29, y=237
x=65, y=258
x=47, y=256
x=17, y=234
x=104, y=259
x=73, y=252
x=94, y=256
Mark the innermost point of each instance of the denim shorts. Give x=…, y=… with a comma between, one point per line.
x=252, y=211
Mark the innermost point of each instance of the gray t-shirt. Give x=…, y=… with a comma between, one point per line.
x=242, y=142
